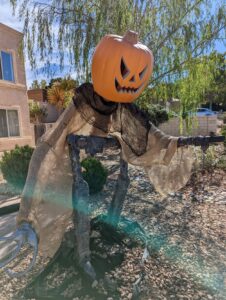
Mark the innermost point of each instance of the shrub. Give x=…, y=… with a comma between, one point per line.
x=14, y=166
x=37, y=112
x=214, y=159
x=157, y=114
x=95, y=174
x=222, y=163
x=61, y=92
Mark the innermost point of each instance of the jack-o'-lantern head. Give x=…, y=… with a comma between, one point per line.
x=121, y=67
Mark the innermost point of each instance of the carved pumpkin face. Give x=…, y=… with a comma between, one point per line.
x=121, y=67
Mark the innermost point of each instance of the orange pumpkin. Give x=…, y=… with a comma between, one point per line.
x=121, y=67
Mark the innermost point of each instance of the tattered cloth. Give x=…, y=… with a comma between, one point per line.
x=47, y=197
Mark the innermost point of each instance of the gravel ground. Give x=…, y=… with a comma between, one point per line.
x=188, y=230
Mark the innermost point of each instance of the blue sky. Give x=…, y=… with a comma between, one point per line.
x=7, y=18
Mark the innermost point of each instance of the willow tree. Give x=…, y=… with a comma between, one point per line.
x=202, y=80
x=216, y=92
x=66, y=31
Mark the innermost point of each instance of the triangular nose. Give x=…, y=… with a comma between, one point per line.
x=132, y=79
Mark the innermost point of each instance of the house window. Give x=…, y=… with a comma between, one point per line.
x=9, y=123
x=6, y=66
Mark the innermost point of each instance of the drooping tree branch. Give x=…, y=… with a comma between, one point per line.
x=74, y=27
x=184, y=62
x=177, y=26
x=66, y=32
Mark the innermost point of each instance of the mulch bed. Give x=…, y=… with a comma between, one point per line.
x=186, y=238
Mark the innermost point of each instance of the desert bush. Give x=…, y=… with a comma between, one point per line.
x=14, y=166
x=210, y=159
x=158, y=114
x=221, y=164
x=61, y=92
x=95, y=174
x=214, y=158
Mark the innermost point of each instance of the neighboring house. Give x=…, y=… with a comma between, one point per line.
x=14, y=112
x=37, y=95
x=40, y=95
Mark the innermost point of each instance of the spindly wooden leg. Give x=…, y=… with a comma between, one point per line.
x=117, y=202
x=80, y=201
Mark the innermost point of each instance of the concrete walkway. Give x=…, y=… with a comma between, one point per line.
x=7, y=226
x=8, y=212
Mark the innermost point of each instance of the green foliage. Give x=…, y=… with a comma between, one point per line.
x=221, y=164
x=157, y=113
x=214, y=158
x=54, y=80
x=38, y=85
x=14, y=166
x=95, y=174
x=160, y=93
x=216, y=91
x=67, y=82
x=37, y=112
x=202, y=80
x=210, y=159
x=180, y=33
x=43, y=84
x=176, y=31
x=61, y=92
x=35, y=84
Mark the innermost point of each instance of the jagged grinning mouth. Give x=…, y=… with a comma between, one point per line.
x=123, y=89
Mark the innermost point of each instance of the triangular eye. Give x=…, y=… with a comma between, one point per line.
x=142, y=73
x=124, y=70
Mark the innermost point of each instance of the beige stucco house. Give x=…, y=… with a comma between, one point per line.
x=14, y=112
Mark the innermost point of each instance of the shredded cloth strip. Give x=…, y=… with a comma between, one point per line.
x=47, y=196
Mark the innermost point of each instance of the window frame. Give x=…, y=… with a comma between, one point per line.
x=7, y=123
x=11, y=66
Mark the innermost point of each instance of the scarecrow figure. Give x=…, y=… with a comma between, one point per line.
x=55, y=190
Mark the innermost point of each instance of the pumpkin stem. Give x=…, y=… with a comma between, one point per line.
x=131, y=37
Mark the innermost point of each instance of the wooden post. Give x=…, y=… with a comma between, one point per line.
x=80, y=201
x=80, y=193
x=117, y=202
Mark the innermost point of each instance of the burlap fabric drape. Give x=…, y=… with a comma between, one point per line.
x=46, y=199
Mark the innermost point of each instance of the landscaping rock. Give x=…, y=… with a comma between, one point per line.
x=187, y=241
